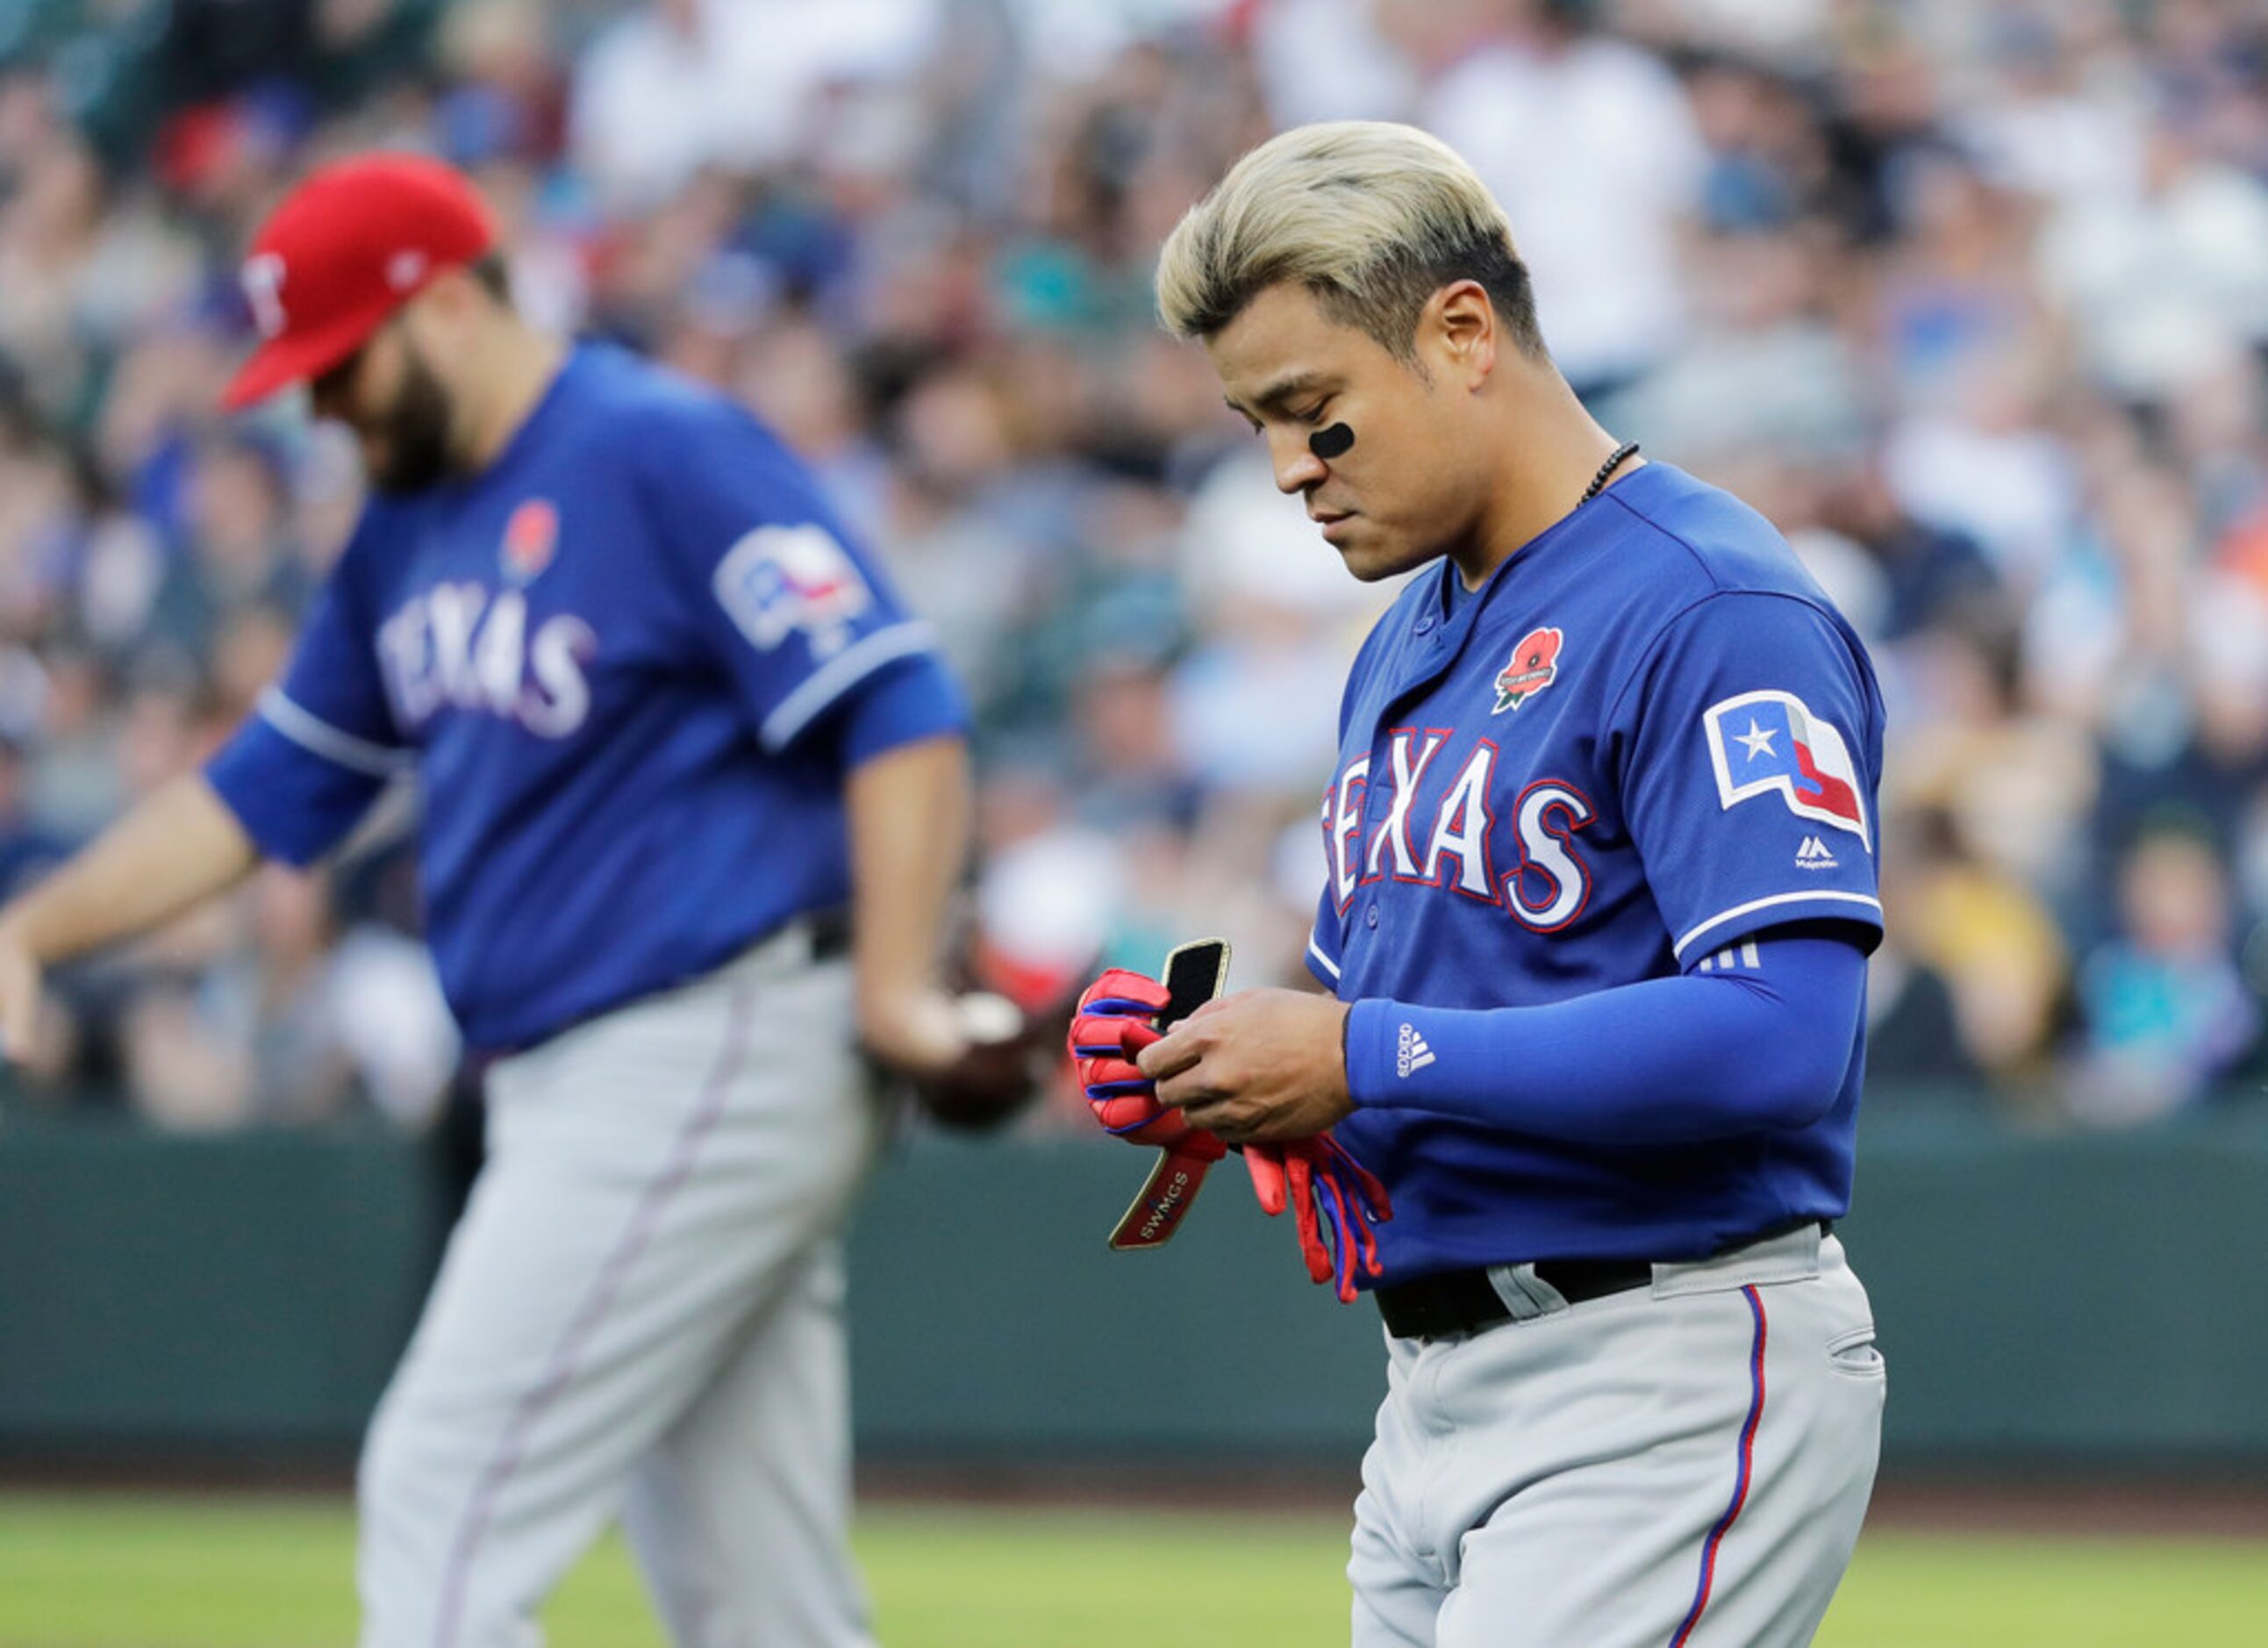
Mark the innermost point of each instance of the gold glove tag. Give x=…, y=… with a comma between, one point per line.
x=1156, y=1211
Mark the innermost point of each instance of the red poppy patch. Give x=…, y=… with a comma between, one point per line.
x=1535, y=666
x=530, y=539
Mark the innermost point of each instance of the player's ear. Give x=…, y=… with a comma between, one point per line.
x=455, y=287
x=1460, y=324
x=451, y=301
x=425, y=318
x=448, y=320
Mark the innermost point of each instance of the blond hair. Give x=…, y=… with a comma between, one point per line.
x=1372, y=218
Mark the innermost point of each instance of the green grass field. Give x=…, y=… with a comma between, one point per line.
x=78, y=1570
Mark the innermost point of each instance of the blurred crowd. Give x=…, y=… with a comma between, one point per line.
x=1972, y=300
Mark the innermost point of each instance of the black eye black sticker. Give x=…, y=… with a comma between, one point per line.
x=1327, y=444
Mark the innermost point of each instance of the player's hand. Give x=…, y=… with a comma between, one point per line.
x=1261, y=1066
x=1116, y=1019
x=915, y=1031
x=1334, y=1199
x=973, y=1060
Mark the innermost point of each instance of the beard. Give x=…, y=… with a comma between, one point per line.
x=414, y=438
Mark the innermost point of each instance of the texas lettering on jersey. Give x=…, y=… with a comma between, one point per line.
x=1545, y=883
x=461, y=646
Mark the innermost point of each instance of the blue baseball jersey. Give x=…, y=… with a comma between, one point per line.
x=1646, y=739
x=630, y=662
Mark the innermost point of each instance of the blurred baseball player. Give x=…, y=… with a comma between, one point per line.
x=694, y=794
x=1602, y=887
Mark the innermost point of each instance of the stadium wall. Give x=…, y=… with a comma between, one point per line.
x=2092, y=1301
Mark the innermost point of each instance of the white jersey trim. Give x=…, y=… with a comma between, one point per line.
x=828, y=683
x=317, y=736
x=1754, y=904
x=1315, y=953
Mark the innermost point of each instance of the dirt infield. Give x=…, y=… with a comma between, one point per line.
x=2227, y=1509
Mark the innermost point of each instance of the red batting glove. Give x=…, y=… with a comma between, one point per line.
x=1116, y=1019
x=1315, y=1177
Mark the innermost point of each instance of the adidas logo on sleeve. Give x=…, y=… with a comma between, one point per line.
x=1410, y=1053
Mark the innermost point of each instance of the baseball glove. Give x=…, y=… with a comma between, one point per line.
x=1012, y=1056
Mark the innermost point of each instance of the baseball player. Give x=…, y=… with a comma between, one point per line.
x=694, y=794
x=1602, y=886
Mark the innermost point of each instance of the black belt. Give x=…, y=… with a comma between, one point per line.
x=1454, y=1302
x=1465, y=1301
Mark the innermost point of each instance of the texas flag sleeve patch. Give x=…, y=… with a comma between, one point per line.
x=1769, y=743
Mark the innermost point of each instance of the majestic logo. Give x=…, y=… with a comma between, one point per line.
x=1535, y=666
x=779, y=580
x=1812, y=854
x=530, y=538
x=1410, y=1053
x=1769, y=742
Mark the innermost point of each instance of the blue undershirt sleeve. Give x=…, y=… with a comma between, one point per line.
x=1755, y=1038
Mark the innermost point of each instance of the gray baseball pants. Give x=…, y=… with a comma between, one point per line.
x=640, y=1316
x=1683, y=1464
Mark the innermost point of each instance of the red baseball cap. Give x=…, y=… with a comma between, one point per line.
x=345, y=249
